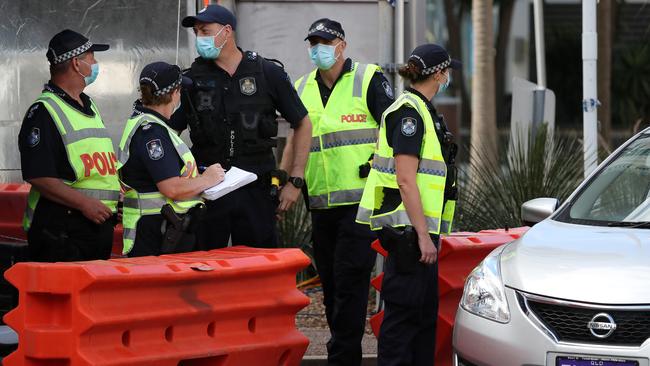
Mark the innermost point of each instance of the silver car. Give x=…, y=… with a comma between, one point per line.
x=575, y=289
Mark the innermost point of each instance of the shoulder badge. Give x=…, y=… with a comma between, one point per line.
x=34, y=137
x=30, y=114
x=251, y=55
x=155, y=149
x=388, y=89
x=409, y=126
x=248, y=86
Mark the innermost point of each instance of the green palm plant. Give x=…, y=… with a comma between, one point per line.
x=631, y=86
x=295, y=232
x=491, y=194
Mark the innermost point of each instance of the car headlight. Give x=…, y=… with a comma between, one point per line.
x=484, y=294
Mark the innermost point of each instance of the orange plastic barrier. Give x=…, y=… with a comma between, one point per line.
x=13, y=200
x=459, y=254
x=233, y=306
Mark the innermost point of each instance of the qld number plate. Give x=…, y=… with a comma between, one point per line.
x=589, y=361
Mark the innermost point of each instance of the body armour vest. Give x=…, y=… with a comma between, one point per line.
x=232, y=120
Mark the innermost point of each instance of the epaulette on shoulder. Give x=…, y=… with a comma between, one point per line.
x=251, y=55
x=275, y=61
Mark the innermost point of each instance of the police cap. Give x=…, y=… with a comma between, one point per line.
x=163, y=77
x=68, y=44
x=433, y=58
x=212, y=14
x=326, y=28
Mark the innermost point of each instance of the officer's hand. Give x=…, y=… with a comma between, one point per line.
x=96, y=211
x=288, y=196
x=428, y=249
x=214, y=173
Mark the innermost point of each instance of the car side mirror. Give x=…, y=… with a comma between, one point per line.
x=537, y=210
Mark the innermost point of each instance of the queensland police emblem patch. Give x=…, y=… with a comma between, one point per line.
x=388, y=90
x=248, y=86
x=155, y=149
x=34, y=137
x=409, y=126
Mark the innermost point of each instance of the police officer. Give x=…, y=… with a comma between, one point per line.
x=411, y=194
x=345, y=99
x=158, y=169
x=231, y=113
x=68, y=158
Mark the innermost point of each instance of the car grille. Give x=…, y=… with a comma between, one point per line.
x=569, y=323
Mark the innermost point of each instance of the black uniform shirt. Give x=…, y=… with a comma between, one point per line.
x=152, y=156
x=42, y=153
x=283, y=94
x=380, y=93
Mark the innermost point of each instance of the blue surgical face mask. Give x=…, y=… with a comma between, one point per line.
x=94, y=72
x=178, y=106
x=444, y=86
x=206, y=48
x=323, y=55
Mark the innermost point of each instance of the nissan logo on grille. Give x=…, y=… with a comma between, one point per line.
x=602, y=325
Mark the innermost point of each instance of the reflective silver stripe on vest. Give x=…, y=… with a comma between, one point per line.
x=363, y=214
x=182, y=150
x=144, y=203
x=100, y=194
x=350, y=137
x=302, y=84
x=426, y=166
x=129, y=234
x=348, y=196
x=444, y=226
x=86, y=133
x=357, y=89
x=71, y=135
x=318, y=201
x=315, y=144
x=400, y=218
x=123, y=153
x=337, y=197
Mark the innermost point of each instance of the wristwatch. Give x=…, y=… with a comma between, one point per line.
x=297, y=182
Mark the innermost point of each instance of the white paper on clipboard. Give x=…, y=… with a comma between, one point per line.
x=235, y=178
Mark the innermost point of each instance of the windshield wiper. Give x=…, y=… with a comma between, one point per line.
x=630, y=224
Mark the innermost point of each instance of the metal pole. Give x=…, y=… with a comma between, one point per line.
x=413, y=14
x=540, y=49
x=590, y=85
x=399, y=42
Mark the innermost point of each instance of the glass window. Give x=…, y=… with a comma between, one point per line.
x=620, y=192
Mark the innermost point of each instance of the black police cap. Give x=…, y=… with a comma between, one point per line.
x=163, y=77
x=68, y=44
x=212, y=14
x=326, y=28
x=433, y=58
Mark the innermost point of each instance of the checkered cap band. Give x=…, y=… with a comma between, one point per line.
x=439, y=67
x=320, y=28
x=70, y=54
x=168, y=88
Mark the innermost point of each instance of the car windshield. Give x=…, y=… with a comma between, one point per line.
x=619, y=194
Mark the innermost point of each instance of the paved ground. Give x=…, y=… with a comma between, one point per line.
x=311, y=322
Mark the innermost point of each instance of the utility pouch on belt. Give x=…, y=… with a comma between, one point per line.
x=402, y=247
x=177, y=226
